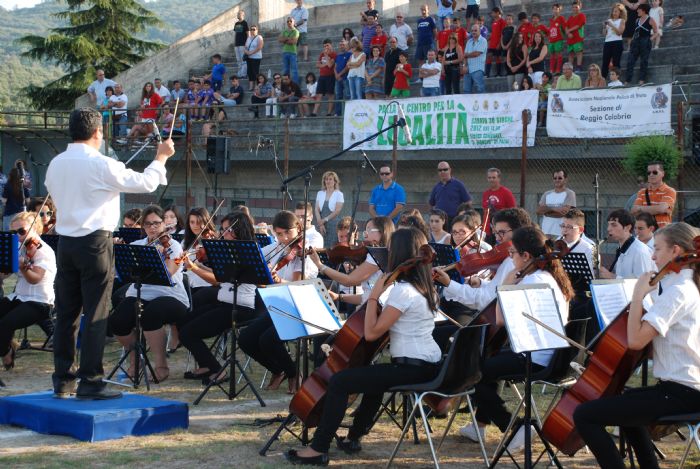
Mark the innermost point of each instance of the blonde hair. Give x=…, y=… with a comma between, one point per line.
x=29, y=217
x=335, y=178
x=622, y=10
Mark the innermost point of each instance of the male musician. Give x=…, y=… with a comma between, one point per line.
x=572, y=226
x=633, y=257
x=88, y=212
x=314, y=239
x=645, y=226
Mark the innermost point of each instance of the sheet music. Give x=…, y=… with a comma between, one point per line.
x=611, y=297
x=312, y=309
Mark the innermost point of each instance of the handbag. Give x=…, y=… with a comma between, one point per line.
x=243, y=67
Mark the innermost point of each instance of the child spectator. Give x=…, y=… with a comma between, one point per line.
x=544, y=87
x=402, y=75
x=494, y=50
x=380, y=39
x=426, y=32
x=180, y=123
x=483, y=30
x=310, y=97
x=441, y=59
x=191, y=92
x=526, y=84
x=218, y=70
x=104, y=105
x=205, y=98
x=574, y=34
x=507, y=38
x=445, y=11
x=444, y=35
x=461, y=33
x=557, y=30
x=166, y=121
x=525, y=28
x=657, y=14
x=538, y=26
x=177, y=93
x=326, y=73
x=374, y=75
x=614, y=75
x=235, y=93
x=369, y=30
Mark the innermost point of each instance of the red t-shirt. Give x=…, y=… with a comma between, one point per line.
x=461, y=36
x=326, y=71
x=496, y=30
x=527, y=30
x=443, y=38
x=556, y=26
x=400, y=79
x=499, y=199
x=379, y=41
x=153, y=102
x=577, y=21
x=543, y=29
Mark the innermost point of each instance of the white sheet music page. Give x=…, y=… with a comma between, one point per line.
x=611, y=297
x=312, y=309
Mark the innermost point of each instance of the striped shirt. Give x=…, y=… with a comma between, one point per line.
x=663, y=194
x=479, y=62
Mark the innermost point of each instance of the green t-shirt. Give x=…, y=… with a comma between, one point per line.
x=573, y=84
x=289, y=34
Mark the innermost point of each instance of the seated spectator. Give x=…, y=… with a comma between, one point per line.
x=526, y=83
x=569, y=80
x=380, y=39
x=614, y=74
x=430, y=73
x=536, y=57
x=402, y=77
x=261, y=93
x=290, y=95
x=544, y=88
x=162, y=91
x=180, y=123
x=234, y=95
x=326, y=71
x=374, y=74
x=310, y=97
x=205, y=99
x=595, y=78
x=148, y=112
x=177, y=93
x=271, y=110
x=191, y=93
x=166, y=121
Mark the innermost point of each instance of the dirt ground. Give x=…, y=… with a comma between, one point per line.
x=225, y=433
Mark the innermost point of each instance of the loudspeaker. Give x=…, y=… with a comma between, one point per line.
x=217, y=155
x=693, y=218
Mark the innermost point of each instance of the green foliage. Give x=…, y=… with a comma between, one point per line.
x=642, y=150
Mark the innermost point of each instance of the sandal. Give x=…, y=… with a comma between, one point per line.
x=217, y=377
x=195, y=375
x=161, y=374
x=275, y=381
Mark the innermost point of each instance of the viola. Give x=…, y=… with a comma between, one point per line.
x=608, y=369
x=350, y=349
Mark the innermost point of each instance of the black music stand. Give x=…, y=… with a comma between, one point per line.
x=579, y=271
x=445, y=255
x=177, y=237
x=9, y=257
x=235, y=262
x=140, y=265
x=263, y=239
x=129, y=235
x=380, y=256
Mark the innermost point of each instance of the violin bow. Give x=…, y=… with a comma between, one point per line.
x=26, y=238
x=207, y=224
x=571, y=342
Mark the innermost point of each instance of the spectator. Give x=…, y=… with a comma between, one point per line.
x=445, y=12
x=595, y=79
x=374, y=75
x=507, y=37
x=640, y=48
x=633, y=257
x=614, y=74
x=370, y=11
x=118, y=103
x=177, y=93
x=218, y=71
x=644, y=227
x=544, y=87
x=235, y=93
x=289, y=38
x=167, y=118
x=391, y=60
x=342, y=85
x=348, y=34
x=402, y=32
x=554, y=204
x=537, y=26
x=402, y=77
x=516, y=61
x=368, y=32
x=525, y=28
x=104, y=105
x=430, y=74
x=310, y=97
x=574, y=34
x=569, y=80
x=14, y=195
x=205, y=99
x=291, y=94
x=388, y=198
x=380, y=39
x=496, y=197
x=261, y=93
x=192, y=90
x=483, y=30
x=475, y=54
x=240, y=35
x=453, y=59
x=301, y=22
x=631, y=7
x=641, y=185
x=557, y=31
x=162, y=91
x=180, y=123
x=148, y=112
x=526, y=83
x=657, y=198
x=329, y=204
x=443, y=36
x=472, y=14
x=426, y=32
x=253, y=55
x=356, y=70
x=494, y=42
x=271, y=109
x=536, y=57
x=326, y=73
x=449, y=193
x=461, y=33
x=657, y=14
x=613, y=29
x=96, y=90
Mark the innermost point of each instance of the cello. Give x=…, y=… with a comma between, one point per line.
x=350, y=350
x=608, y=369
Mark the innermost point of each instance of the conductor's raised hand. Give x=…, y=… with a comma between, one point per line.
x=166, y=149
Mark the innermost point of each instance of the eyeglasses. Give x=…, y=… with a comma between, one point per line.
x=654, y=172
x=21, y=231
x=567, y=227
x=46, y=214
x=384, y=174
x=443, y=170
x=502, y=233
x=152, y=224
x=459, y=233
x=278, y=78
x=253, y=29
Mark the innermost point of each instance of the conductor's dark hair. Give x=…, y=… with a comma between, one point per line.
x=83, y=122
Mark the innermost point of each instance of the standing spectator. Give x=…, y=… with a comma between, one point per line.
x=402, y=77
x=494, y=50
x=445, y=11
x=644, y=227
x=426, y=32
x=118, y=103
x=443, y=36
x=516, y=61
x=449, y=193
x=430, y=74
x=595, y=78
x=374, y=74
x=96, y=90
x=380, y=39
x=525, y=28
x=261, y=93
x=391, y=60
x=461, y=33
x=454, y=57
x=240, y=35
x=574, y=34
x=162, y=91
x=402, y=32
x=544, y=87
x=253, y=55
x=557, y=32
x=497, y=197
x=356, y=70
x=537, y=26
x=370, y=11
x=657, y=198
x=291, y=94
x=326, y=73
x=569, y=80
x=641, y=185
x=554, y=204
x=104, y=106
x=640, y=48
x=483, y=30
x=614, y=82
x=536, y=57
x=369, y=30
x=289, y=38
x=14, y=195
x=310, y=97
x=342, y=85
x=472, y=12
x=613, y=29
x=216, y=76
x=176, y=94
x=475, y=54
x=388, y=198
x=301, y=22
x=631, y=24
x=329, y=204
x=657, y=14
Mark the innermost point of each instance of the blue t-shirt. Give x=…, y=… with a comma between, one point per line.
x=206, y=97
x=385, y=200
x=341, y=60
x=217, y=72
x=425, y=30
x=448, y=197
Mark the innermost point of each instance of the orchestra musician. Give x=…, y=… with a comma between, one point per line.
x=88, y=213
x=672, y=326
x=468, y=229
x=33, y=297
x=47, y=214
x=161, y=305
x=174, y=220
x=407, y=316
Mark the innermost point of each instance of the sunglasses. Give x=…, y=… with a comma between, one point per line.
x=443, y=170
x=384, y=174
x=46, y=214
x=21, y=231
x=654, y=172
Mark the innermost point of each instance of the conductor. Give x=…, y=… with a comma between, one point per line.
x=85, y=186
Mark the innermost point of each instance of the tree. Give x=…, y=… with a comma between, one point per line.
x=100, y=35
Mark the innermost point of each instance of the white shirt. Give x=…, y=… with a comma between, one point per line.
x=674, y=315
x=151, y=292
x=98, y=87
x=118, y=111
x=411, y=336
x=479, y=298
x=401, y=33
x=550, y=225
x=85, y=186
x=368, y=284
x=357, y=71
x=314, y=239
x=586, y=248
x=336, y=197
x=43, y=291
x=287, y=272
x=246, y=294
x=610, y=34
x=616, y=84
x=311, y=88
x=432, y=81
x=164, y=93
x=650, y=244
x=635, y=261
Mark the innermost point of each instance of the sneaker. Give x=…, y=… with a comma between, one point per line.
x=517, y=444
x=469, y=431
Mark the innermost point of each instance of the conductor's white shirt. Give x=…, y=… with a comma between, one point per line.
x=85, y=186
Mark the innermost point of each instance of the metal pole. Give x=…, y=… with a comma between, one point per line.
x=394, y=148
x=286, y=160
x=681, y=147
x=523, y=157
x=188, y=161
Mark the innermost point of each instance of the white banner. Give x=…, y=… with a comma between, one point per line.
x=610, y=112
x=450, y=121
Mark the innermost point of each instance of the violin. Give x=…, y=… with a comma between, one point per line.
x=164, y=239
x=540, y=262
x=608, y=369
x=350, y=349
x=342, y=253
x=31, y=245
x=478, y=261
x=291, y=251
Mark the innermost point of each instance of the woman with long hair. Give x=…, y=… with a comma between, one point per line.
x=329, y=203
x=374, y=74
x=595, y=78
x=173, y=219
x=261, y=93
x=613, y=28
x=536, y=57
x=252, y=54
x=356, y=69
x=148, y=112
x=645, y=32
x=516, y=60
x=437, y=220
x=454, y=56
x=14, y=195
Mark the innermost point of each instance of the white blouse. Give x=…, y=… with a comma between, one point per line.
x=336, y=197
x=479, y=298
x=43, y=291
x=195, y=280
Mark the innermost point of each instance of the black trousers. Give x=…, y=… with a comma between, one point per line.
x=632, y=411
x=640, y=48
x=452, y=80
x=255, y=100
x=611, y=50
x=372, y=381
x=259, y=340
x=16, y=314
x=156, y=313
x=253, y=68
x=83, y=283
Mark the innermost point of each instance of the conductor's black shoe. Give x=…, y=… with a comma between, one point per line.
x=350, y=446
x=96, y=392
x=294, y=458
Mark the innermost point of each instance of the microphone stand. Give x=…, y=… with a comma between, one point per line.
x=148, y=141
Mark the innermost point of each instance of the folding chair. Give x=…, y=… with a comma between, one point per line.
x=692, y=422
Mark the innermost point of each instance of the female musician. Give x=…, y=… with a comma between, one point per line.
x=464, y=227
x=161, y=305
x=173, y=218
x=408, y=317
x=529, y=243
x=47, y=214
x=672, y=325
x=33, y=297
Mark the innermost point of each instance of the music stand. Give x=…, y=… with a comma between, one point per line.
x=263, y=239
x=140, y=265
x=235, y=262
x=9, y=257
x=380, y=256
x=579, y=271
x=445, y=255
x=129, y=235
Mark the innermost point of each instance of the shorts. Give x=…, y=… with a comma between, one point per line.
x=422, y=51
x=396, y=93
x=472, y=11
x=302, y=39
x=556, y=47
x=326, y=85
x=575, y=48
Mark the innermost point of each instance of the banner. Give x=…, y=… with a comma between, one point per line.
x=610, y=112
x=450, y=121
